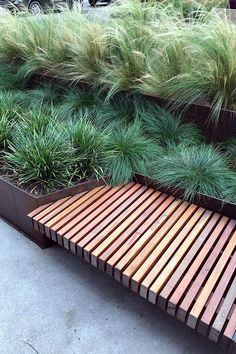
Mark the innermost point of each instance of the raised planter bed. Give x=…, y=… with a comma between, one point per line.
x=16, y=204
x=195, y=112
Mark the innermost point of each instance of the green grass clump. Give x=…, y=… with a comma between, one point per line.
x=88, y=53
x=211, y=73
x=195, y=169
x=128, y=151
x=79, y=100
x=37, y=120
x=46, y=94
x=129, y=45
x=89, y=145
x=41, y=161
x=119, y=109
x=5, y=132
x=12, y=103
x=167, y=129
x=11, y=77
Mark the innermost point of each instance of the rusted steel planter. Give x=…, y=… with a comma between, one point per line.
x=16, y=204
x=205, y=201
x=197, y=112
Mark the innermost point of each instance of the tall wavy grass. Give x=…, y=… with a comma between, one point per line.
x=189, y=60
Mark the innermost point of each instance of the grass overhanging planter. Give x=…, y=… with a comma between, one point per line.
x=194, y=112
x=199, y=114
x=16, y=204
x=109, y=121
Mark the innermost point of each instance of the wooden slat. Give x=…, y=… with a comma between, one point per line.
x=171, y=266
x=82, y=211
x=35, y=212
x=183, y=266
x=82, y=237
x=140, y=267
x=161, y=215
x=211, y=281
x=47, y=223
x=62, y=212
x=173, y=253
x=218, y=294
x=130, y=223
x=230, y=331
x=203, y=272
x=222, y=315
x=196, y=265
x=44, y=216
x=76, y=208
x=38, y=210
x=166, y=249
x=105, y=227
x=81, y=220
x=58, y=207
x=125, y=215
x=132, y=271
x=130, y=236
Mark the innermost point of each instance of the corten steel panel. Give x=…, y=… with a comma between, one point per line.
x=16, y=204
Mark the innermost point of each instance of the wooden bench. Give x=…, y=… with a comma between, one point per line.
x=177, y=255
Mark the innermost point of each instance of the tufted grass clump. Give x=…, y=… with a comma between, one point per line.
x=167, y=129
x=6, y=127
x=89, y=145
x=12, y=103
x=46, y=94
x=79, y=99
x=42, y=161
x=195, y=169
x=128, y=151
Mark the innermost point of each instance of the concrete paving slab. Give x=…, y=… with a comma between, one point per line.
x=52, y=302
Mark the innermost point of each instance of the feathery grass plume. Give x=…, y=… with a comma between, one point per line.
x=40, y=43
x=195, y=9
x=89, y=145
x=88, y=54
x=212, y=75
x=130, y=43
x=128, y=151
x=199, y=168
x=12, y=78
x=60, y=35
x=166, y=61
x=230, y=148
x=166, y=129
x=41, y=161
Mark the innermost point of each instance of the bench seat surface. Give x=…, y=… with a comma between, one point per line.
x=177, y=255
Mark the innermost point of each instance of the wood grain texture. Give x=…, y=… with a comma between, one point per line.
x=201, y=272
x=178, y=255
x=183, y=267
